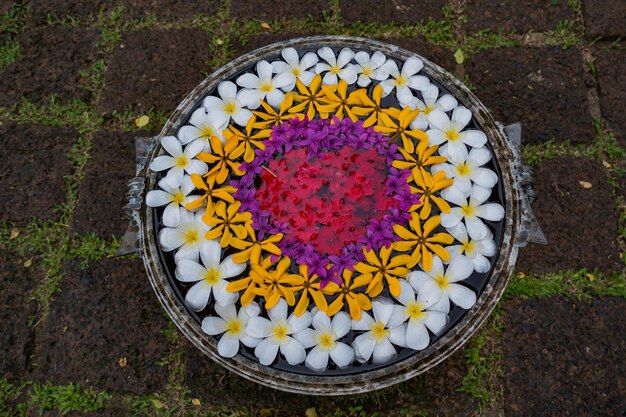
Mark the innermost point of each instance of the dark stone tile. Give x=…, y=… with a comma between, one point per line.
x=49, y=65
x=102, y=314
x=155, y=69
x=436, y=54
x=580, y=224
x=102, y=193
x=612, y=85
x=543, y=88
x=606, y=19
x=432, y=392
x=269, y=10
x=258, y=41
x=133, y=9
x=395, y=11
x=31, y=176
x=520, y=16
x=564, y=358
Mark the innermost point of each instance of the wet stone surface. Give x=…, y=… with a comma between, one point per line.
x=564, y=357
x=579, y=223
x=543, y=88
x=155, y=69
x=603, y=18
x=436, y=54
x=269, y=10
x=611, y=68
x=399, y=11
x=49, y=65
x=102, y=193
x=519, y=16
x=102, y=314
x=35, y=163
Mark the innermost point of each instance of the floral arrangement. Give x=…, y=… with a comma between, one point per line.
x=327, y=207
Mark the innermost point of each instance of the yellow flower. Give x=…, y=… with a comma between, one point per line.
x=417, y=157
x=276, y=284
x=401, y=129
x=310, y=99
x=375, y=269
x=348, y=293
x=272, y=117
x=310, y=286
x=248, y=284
x=251, y=248
x=223, y=193
x=369, y=107
x=223, y=157
x=428, y=185
x=227, y=222
x=246, y=140
x=340, y=100
x=423, y=245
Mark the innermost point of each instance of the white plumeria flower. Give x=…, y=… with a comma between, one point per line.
x=180, y=161
x=262, y=86
x=472, y=210
x=233, y=326
x=188, y=237
x=446, y=282
x=324, y=336
x=403, y=80
x=376, y=67
x=431, y=101
x=222, y=109
x=417, y=310
x=203, y=125
x=443, y=129
x=210, y=276
x=379, y=338
x=295, y=67
x=470, y=170
x=477, y=251
x=336, y=66
x=174, y=198
x=277, y=334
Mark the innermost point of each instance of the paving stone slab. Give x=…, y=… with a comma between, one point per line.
x=612, y=88
x=35, y=162
x=260, y=40
x=102, y=193
x=519, y=16
x=49, y=65
x=579, y=223
x=605, y=18
x=432, y=392
x=102, y=314
x=155, y=69
x=269, y=9
x=564, y=357
x=133, y=9
x=543, y=88
x=396, y=11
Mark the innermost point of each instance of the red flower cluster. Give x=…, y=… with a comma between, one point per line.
x=326, y=201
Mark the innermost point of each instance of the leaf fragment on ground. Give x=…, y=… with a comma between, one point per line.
x=459, y=56
x=141, y=121
x=585, y=184
x=266, y=25
x=15, y=232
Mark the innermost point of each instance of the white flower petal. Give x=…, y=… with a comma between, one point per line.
x=228, y=346
x=327, y=55
x=197, y=167
x=213, y=325
x=349, y=75
x=170, y=239
x=307, y=337
x=461, y=296
x=382, y=308
x=210, y=254
x=417, y=335
x=242, y=117
x=189, y=271
x=345, y=56
x=436, y=321
x=171, y=215
x=459, y=269
x=278, y=312
x=341, y=324
x=198, y=296
x=407, y=295
x=491, y=211
x=250, y=98
x=259, y=327
x=308, y=60
x=456, y=151
x=321, y=322
x=383, y=351
x=398, y=316
x=230, y=268
x=447, y=102
x=158, y=198
x=476, y=229
x=454, y=195
x=317, y=359
x=161, y=163
x=342, y=355
x=172, y=145
x=363, y=347
x=473, y=138
x=223, y=296
x=275, y=97
x=263, y=70
x=438, y=119
x=428, y=293
x=480, y=156
x=484, y=177
x=363, y=323
x=479, y=195
x=293, y=351
x=435, y=136
x=419, y=82
x=250, y=341
x=412, y=66
x=226, y=311
x=462, y=116
x=193, y=148
x=481, y=264
x=266, y=352
x=299, y=323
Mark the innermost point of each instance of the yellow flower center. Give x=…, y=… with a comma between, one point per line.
x=334, y=69
x=401, y=81
x=296, y=71
x=326, y=340
x=192, y=236
x=468, y=210
x=468, y=247
x=463, y=170
x=234, y=326
x=230, y=108
x=414, y=310
x=428, y=109
x=182, y=161
x=378, y=331
x=212, y=276
x=452, y=135
x=280, y=332
x=178, y=198
x=368, y=71
x=441, y=281
x=266, y=87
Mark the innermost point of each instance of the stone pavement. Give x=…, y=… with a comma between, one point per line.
x=73, y=78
